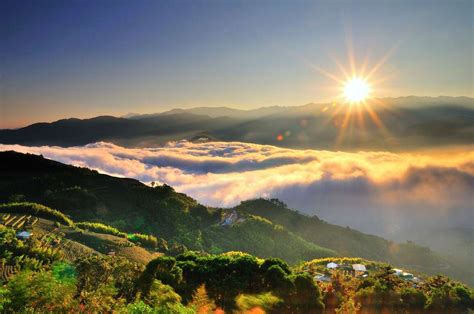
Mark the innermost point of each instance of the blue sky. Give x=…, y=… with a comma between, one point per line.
x=85, y=58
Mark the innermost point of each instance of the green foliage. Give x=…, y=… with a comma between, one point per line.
x=100, y=300
x=64, y=272
x=446, y=294
x=100, y=228
x=24, y=254
x=306, y=296
x=36, y=210
x=264, y=301
x=72, y=199
x=227, y=276
x=161, y=295
x=233, y=281
x=413, y=298
x=94, y=272
x=5, y=300
x=148, y=241
x=39, y=292
x=138, y=307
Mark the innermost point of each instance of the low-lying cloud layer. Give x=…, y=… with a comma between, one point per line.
x=376, y=192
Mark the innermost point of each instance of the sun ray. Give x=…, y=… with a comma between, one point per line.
x=343, y=126
x=381, y=62
x=350, y=50
x=365, y=63
x=327, y=74
x=340, y=67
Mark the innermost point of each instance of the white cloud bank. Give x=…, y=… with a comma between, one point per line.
x=376, y=192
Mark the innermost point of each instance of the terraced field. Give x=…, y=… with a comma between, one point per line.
x=72, y=250
x=18, y=221
x=6, y=271
x=73, y=243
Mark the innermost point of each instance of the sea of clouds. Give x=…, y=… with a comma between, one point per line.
x=377, y=192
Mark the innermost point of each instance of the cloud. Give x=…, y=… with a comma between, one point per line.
x=378, y=192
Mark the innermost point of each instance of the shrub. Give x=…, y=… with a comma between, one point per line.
x=100, y=228
x=143, y=239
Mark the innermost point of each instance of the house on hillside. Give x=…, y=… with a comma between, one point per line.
x=322, y=277
x=359, y=269
x=404, y=275
x=331, y=265
x=230, y=219
x=23, y=235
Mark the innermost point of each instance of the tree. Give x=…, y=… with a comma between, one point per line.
x=413, y=298
x=161, y=295
x=307, y=296
x=201, y=301
x=38, y=292
x=164, y=269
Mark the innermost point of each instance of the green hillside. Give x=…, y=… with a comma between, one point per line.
x=349, y=242
x=130, y=206
x=126, y=204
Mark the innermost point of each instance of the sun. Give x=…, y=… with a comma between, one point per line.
x=356, y=90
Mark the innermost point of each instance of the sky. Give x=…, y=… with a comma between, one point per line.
x=62, y=59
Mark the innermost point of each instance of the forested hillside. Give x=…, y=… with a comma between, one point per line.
x=132, y=206
x=265, y=228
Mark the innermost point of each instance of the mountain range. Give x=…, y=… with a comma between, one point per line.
x=390, y=124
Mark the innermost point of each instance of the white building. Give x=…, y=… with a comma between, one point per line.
x=359, y=268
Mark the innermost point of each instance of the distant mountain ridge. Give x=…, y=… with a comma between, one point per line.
x=387, y=124
x=264, y=111
x=216, y=112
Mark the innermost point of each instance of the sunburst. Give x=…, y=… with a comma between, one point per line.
x=355, y=100
x=356, y=90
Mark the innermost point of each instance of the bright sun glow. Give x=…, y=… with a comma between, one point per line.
x=356, y=90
